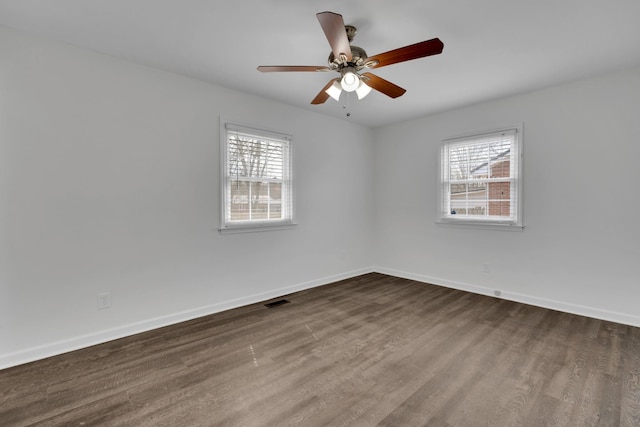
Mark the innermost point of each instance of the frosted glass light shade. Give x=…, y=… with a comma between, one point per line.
x=350, y=81
x=363, y=90
x=334, y=90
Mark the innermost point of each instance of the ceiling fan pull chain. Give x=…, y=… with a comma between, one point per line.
x=348, y=106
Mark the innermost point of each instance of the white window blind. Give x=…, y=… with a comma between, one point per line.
x=480, y=179
x=258, y=189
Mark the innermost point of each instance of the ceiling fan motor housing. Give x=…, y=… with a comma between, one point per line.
x=358, y=57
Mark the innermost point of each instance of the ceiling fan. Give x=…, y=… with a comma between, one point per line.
x=349, y=61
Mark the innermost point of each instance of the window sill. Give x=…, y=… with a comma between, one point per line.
x=255, y=228
x=481, y=225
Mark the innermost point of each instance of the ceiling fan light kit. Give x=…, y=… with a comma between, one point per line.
x=349, y=60
x=349, y=83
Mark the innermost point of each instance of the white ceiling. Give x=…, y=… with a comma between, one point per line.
x=492, y=48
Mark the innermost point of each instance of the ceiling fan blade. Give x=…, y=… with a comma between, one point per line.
x=272, y=68
x=322, y=96
x=333, y=27
x=407, y=53
x=382, y=85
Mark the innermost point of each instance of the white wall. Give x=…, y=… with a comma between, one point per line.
x=579, y=249
x=110, y=182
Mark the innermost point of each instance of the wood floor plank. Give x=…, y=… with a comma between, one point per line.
x=373, y=350
x=630, y=379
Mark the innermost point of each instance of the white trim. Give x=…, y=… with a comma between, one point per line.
x=519, y=127
x=484, y=223
x=581, y=310
x=59, y=347
x=254, y=226
x=480, y=226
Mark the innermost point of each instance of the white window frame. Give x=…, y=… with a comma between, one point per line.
x=227, y=130
x=512, y=223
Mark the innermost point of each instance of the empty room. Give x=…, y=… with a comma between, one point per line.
x=319, y=213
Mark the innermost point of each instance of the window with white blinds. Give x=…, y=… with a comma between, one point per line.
x=480, y=179
x=257, y=178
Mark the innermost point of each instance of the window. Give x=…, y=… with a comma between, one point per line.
x=257, y=191
x=480, y=180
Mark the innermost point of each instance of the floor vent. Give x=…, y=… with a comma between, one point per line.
x=276, y=303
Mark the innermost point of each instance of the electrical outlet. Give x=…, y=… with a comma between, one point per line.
x=486, y=267
x=104, y=300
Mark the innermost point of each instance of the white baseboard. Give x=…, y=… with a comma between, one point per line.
x=87, y=340
x=83, y=341
x=596, y=313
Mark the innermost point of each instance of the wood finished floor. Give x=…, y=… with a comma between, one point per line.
x=373, y=350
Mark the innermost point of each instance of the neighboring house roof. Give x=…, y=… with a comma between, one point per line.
x=482, y=168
